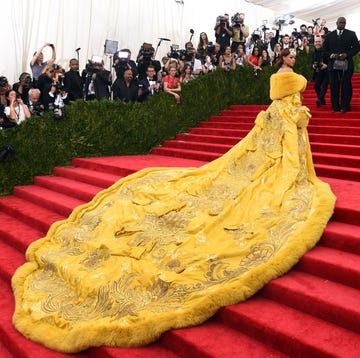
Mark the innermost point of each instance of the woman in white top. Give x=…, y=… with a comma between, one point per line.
x=16, y=110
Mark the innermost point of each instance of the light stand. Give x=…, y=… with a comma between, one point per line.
x=77, y=53
x=161, y=39
x=110, y=48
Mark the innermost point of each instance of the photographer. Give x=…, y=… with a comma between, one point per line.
x=212, y=57
x=23, y=86
x=122, y=62
x=37, y=63
x=146, y=58
x=223, y=32
x=4, y=86
x=320, y=60
x=4, y=120
x=16, y=110
x=189, y=57
x=240, y=31
x=97, y=80
x=34, y=104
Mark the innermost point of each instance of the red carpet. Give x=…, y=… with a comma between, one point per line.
x=313, y=311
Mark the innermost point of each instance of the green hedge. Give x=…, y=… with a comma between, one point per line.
x=100, y=128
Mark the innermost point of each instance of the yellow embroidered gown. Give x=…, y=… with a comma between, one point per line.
x=167, y=247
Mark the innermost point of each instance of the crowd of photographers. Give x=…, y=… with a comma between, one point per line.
x=50, y=87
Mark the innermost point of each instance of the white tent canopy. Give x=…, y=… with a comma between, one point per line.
x=323, y=9
x=70, y=24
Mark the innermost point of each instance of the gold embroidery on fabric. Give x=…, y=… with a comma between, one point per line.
x=160, y=234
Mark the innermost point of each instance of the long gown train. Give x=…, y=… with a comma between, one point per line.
x=167, y=247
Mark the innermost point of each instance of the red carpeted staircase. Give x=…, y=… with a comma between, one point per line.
x=313, y=311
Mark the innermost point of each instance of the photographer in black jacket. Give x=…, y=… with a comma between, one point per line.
x=97, y=80
x=145, y=59
x=73, y=81
x=320, y=60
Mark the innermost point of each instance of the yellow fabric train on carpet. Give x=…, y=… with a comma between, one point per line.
x=167, y=247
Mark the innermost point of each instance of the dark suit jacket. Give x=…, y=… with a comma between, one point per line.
x=74, y=85
x=348, y=43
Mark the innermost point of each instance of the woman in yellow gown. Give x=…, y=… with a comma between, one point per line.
x=167, y=247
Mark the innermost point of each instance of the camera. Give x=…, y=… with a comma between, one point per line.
x=315, y=22
x=28, y=81
x=146, y=51
x=210, y=49
x=317, y=66
x=222, y=20
x=3, y=81
x=6, y=151
x=36, y=109
x=236, y=20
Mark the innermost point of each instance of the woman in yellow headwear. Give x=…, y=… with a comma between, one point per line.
x=166, y=248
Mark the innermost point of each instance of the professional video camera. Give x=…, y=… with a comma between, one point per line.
x=317, y=66
x=284, y=20
x=183, y=54
x=94, y=65
x=210, y=49
x=316, y=21
x=3, y=81
x=296, y=34
x=120, y=60
x=36, y=109
x=146, y=52
x=6, y=151
x=222, y=20
x=236, y=20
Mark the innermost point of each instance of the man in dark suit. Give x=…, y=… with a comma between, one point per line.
x=97, y=81
x=341, y=44
x=73, y=81
x=149, y=85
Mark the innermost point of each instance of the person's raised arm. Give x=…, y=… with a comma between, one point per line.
x=37, y=53
x=53, y=55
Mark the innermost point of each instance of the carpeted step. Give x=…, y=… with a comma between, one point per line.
x=16, y=232
x=213, y=339
x=335, y=171
x=126, y=165
x=330, y=301
x=319, y=121
x=334, y=138
x=4, y=353
x=293, y=332
x=330, y=148
x=202, y=146
x=11, y=259
x=219, y=131
x=332, y=264
x=228, y=125
x=48, y=199
x=187, y=154
x=340, y=160
x=87, y=176
x=28, y=212
x=347, y=192
x=79, y=190
x=341, y=236
x=208, y=138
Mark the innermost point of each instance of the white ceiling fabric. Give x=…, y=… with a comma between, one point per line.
x=308, y=10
